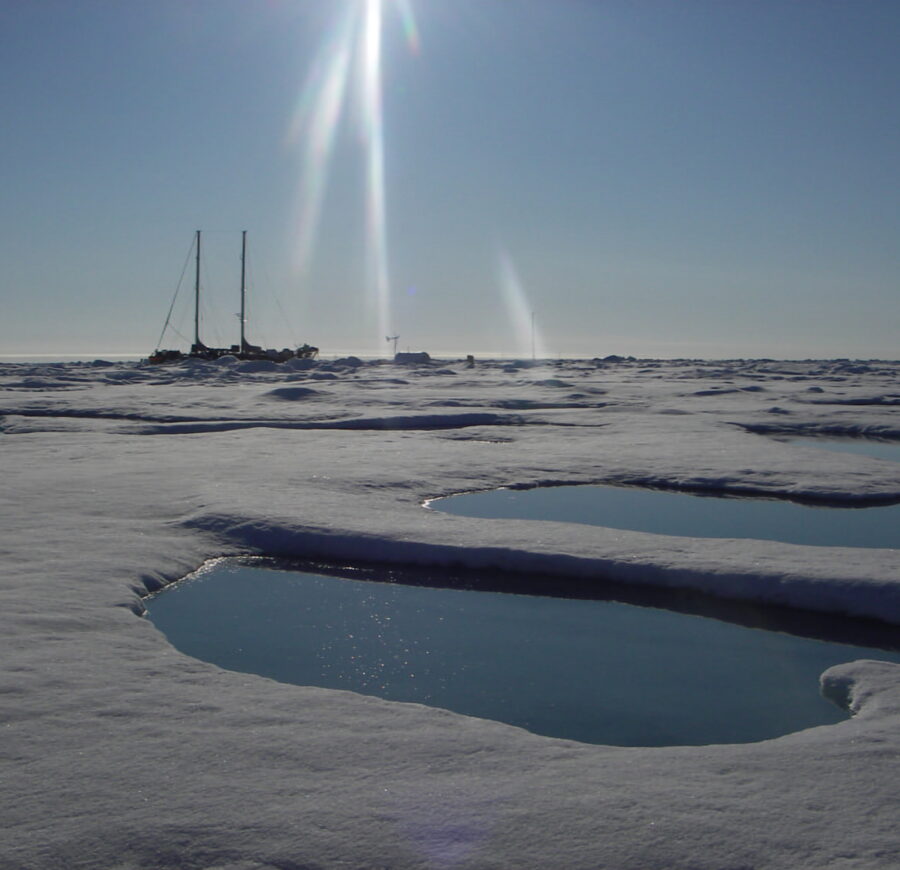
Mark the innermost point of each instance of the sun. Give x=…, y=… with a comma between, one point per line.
x=348, y=69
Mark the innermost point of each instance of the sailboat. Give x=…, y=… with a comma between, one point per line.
x=243, y=350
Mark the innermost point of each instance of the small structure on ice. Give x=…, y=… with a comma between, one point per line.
x=410, y=358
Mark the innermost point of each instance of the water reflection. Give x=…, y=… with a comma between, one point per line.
x=590, y=670
x=665, y=512
x=889, y=450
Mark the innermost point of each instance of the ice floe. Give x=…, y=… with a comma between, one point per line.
x=120, y=752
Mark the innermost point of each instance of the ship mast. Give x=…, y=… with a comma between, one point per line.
x=197, y=298
x=243, y=284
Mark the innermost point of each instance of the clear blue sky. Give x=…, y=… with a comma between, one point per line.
x=704, y=178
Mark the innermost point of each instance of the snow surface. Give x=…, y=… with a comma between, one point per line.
x=120, y=752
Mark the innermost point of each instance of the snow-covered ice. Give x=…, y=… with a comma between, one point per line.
x=120, y=752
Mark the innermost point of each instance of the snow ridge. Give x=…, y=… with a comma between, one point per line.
x=851, y=593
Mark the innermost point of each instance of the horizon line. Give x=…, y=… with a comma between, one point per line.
x=483, y=355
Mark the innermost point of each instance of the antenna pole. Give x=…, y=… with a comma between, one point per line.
x=197, y=297
x=243, y=284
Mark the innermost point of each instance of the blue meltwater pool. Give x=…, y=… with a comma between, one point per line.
x=665, y=512
x=597, y=671
x=887, y=450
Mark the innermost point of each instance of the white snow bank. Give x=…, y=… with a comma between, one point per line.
x=809, y=584
x=867, y=689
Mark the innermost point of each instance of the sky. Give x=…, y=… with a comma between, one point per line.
x=656, y=178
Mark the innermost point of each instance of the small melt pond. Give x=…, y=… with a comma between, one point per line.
x=594, y=671
x=888, y=450
x=664, y=512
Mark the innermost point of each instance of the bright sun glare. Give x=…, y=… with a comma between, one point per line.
x=351, y=53
x=347, y=70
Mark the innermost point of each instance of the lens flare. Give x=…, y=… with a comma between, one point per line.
x=376, y=209
x=410, y=29
x=354, y=48
x=528, y=339
x=313, y=128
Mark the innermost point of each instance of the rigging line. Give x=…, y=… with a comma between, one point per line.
x=285, y=318
x=259, y=331
x=177, y=289
x=208, y=318
x=291, y=331
x=248, y=297
x=210, y=323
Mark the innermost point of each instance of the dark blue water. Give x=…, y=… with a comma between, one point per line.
x=889, y=450
x=595, y=671
x=676, y=513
